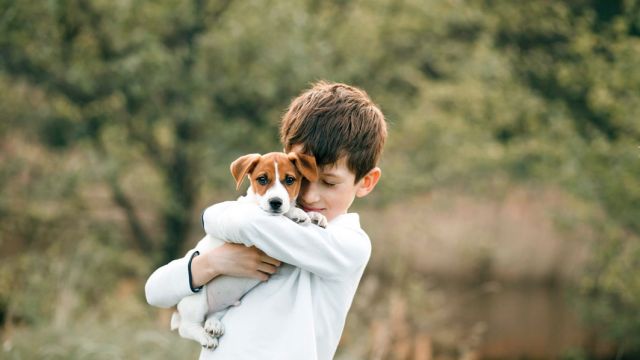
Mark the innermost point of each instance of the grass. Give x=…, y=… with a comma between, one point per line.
x=128, y=340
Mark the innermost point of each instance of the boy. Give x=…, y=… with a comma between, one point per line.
x=300, y=312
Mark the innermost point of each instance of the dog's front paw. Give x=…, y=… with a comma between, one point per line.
x=318, y=219
x=214, y=327
x=298, y=215
x=209, y=342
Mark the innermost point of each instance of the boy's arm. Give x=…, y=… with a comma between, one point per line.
x=329, y=253
x=169, y=283
x=182, y=277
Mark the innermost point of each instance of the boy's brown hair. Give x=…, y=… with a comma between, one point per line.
x=332, y=120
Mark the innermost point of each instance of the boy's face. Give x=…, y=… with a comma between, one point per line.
x=334, y=191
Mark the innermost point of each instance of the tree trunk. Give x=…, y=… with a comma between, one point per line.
x=180, y=177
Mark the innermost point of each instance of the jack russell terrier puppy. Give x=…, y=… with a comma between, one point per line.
x=275, y=180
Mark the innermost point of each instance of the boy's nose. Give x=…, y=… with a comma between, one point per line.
x=309, y=192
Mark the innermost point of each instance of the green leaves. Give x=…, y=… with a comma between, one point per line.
x=152, y=100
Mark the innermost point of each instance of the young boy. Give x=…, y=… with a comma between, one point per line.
x=300, y=312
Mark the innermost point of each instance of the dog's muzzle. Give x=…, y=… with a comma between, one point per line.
x=275, y=204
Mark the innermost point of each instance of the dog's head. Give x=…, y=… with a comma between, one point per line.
x=275, y=178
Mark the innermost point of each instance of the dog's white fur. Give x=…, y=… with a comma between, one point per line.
x=194, y=309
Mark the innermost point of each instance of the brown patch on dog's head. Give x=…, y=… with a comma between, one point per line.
x=306, y=165
x=242, y=166
x=292, y=168
x=263, y=175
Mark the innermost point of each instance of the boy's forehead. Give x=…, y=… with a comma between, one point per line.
x=338, y=168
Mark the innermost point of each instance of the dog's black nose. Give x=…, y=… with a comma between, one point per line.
x=275, y=203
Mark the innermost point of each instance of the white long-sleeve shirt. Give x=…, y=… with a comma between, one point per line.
x=299, y=313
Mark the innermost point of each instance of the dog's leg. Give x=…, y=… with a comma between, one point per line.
x=213, y=325
x=196, y=332
x=298, y=215
x=192, y=310
x=318, y=219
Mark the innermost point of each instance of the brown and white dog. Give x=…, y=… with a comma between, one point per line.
x=275, y=180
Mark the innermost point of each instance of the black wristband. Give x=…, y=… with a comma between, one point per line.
x=195, y=253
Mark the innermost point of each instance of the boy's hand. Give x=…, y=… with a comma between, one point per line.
x=234, y=260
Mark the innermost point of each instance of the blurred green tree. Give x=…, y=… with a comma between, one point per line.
x=126, y=81
x=158, y=97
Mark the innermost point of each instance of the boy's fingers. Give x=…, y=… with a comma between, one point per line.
x=261, y=276
x=269, y=260
x=267, y=268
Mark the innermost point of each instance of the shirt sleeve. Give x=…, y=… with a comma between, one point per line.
x=170, y=283
x=329, y=253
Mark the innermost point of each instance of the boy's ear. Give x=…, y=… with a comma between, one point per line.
x=243, y=165
x=368, y=182
x=306, y=164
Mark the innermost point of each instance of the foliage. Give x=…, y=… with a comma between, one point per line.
x=120, y=119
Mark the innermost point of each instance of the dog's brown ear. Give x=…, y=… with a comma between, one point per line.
x=243, y=165
x=306, y=164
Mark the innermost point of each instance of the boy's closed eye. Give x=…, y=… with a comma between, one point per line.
x=327, y=183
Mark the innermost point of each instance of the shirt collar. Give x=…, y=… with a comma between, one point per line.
x=349, y=219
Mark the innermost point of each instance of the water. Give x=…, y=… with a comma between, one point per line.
x=533, y=322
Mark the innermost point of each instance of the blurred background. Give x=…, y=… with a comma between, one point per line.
x=506, y=224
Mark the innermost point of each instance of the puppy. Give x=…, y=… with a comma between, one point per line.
x=275, y=180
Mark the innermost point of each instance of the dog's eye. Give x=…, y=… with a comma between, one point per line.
x=262, y=180
x=289, y=180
